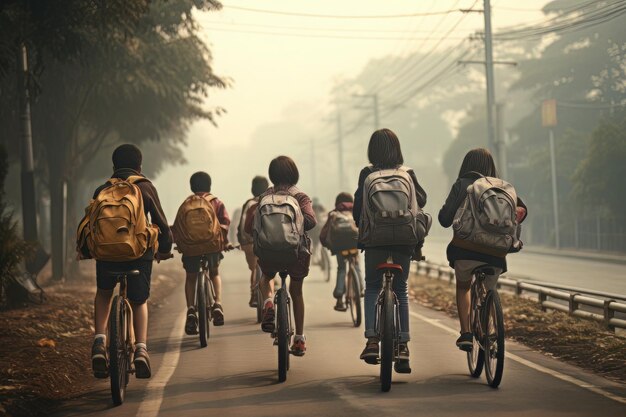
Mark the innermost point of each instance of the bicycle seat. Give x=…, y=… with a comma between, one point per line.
x=484, y=269
x=388, y=266
x=132, y=273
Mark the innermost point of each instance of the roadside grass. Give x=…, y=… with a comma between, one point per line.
x=581, y=342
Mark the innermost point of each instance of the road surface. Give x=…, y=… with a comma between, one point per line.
x=583, y=273
x=236, y=374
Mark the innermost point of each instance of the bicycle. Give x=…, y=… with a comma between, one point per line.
x=283, y=332
x=353, y=286
x=387, y=322
x=487, y=326
x=258, y=276
x=205, y=299
x=121, y=338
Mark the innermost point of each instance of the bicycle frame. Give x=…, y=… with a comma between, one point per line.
x=388, y=286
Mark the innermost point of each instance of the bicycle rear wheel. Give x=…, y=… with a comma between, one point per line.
x=203, y=319
x=493, y=339
x=475, y=358
x=282, y=331
x=118, y=353
x=259, y=296
x=386, y=341
x=354, y=296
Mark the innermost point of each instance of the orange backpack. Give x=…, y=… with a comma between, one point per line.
x=197, y=230
x=115, y=227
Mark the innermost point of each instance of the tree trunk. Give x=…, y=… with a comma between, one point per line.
x=57, y=224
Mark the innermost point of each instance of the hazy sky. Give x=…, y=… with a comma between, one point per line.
x=289, y=76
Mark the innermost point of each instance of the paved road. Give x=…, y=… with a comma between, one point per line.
x=236, y=374
x=588, y=274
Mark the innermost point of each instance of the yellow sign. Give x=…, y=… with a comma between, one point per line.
x=548, y=113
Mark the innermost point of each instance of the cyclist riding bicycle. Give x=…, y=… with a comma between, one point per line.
x=478, y=163
x=288, y=210
x=129, y=186
x=201, y=229
x=340, y=233
x=259, y=186
x=380, y=241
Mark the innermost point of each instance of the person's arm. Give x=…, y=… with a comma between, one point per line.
x=447, y=212
x=324, y=231
x=223, y=218
x=358, y=196
x=157, y=216
x=306, y=206
x=250, y=218
x=419, y=191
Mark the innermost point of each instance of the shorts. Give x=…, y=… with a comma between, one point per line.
x=463, y=272
x=297, y=271
x=192, y=263
x=137, y=289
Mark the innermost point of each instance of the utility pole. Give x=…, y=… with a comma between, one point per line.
x=549, y=120
x=29, y=207
x=491, y=101
x=340, y=152
x=501, y=143
x=375, y=109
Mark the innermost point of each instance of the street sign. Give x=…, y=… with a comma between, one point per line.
x=548, y=113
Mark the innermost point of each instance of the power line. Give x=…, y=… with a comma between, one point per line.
x=330, y=16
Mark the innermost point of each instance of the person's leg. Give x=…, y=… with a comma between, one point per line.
x=340, y=285
x=267, y=291
x=191, y=279
x=463, y=275
x=400, y=288
x=102, y=309
x=359, y=274
x=297, y=299
x=216, y=279
x=373, y=284
x=140, y=321
x=138, y=294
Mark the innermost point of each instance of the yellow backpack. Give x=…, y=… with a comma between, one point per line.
x=115, y=227
x=197, y=230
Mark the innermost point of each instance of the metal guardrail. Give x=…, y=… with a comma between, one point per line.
x=574, y=297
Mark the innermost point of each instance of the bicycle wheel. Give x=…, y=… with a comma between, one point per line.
x=354, y=296
x=493, y=339
x=475, y=358
x=325, y=264
x=282, y=332
x=259, y=296
x=201, y=302
x=118, y=353
x=386, y=341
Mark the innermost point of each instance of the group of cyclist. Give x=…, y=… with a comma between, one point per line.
x=384, y=154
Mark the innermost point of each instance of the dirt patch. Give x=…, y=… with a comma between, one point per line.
x=581, y=342
x=45, y=349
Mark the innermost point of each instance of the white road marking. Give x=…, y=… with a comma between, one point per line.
x=532, y=365
x=153, y=398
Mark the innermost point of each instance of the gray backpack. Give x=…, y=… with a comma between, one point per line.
x=342, y=233
x=486, y=221
x=391, y=215
x=278, y=229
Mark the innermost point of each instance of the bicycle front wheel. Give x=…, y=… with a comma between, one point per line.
x=354, y=296
x=203, y=317
x=494, y=339
x=282, y=333
x=476, y=357
x=118, y=353
x=386, y=341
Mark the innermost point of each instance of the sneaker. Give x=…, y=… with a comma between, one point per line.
x=371, y=352
x=99, y=360
x=218, y=315
x=298, y=348
x=402, y=365
x=252, y=303
x=142, y=363
x=267, y=323
x=465, y=342
x=191, y=325
x=340, y=306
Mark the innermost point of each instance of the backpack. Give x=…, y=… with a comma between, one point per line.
x=197, y=230
x=391, y=215
x=342, y=231
x=278, y=229
x=115, y=227
x=242, y=237
x=486, y=221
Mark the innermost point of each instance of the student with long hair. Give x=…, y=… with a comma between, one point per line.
x=477, y=162
x=384, y=152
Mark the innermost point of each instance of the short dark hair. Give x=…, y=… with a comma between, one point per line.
x=283, y=171
x=478, y=160
x=344, y=198
x=259, y=185
x=384, y=149
x=200, y=182
x=127, y=156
